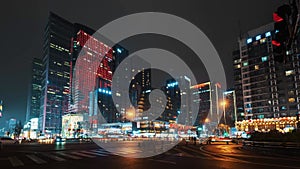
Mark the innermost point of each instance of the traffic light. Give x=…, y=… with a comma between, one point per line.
x=282, y=32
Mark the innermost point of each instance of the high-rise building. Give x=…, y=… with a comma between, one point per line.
x=56, y=76
x=134, y=71
x=270, y=89
x=172, y=92
x=210, y=107
x=237, y=71
x=229, y=105
x=104, y=82
x=35, y=91
x=12, y=123
x=77, y=66
x=186, y=117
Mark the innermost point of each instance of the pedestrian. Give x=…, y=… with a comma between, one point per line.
x=195, y=139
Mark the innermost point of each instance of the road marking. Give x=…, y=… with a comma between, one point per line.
x=36, y=159
x=202, y=156
x=83, y=155
x=93, y=153
x=53, y=157
x=122, y=152
x=102, y=152
x=183, y=153
x=15, y=162
x=69, y=156
x=164, y=161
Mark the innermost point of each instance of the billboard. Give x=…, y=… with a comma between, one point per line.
x=34, y=123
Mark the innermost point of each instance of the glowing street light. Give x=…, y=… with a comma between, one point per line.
x=130, y=113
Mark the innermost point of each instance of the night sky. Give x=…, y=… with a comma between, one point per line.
x=23, y=23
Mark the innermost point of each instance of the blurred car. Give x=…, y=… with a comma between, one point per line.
x=59, y=139
x=7, y=140
x=43, y=139
x=218, y=139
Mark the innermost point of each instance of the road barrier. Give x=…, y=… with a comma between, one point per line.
x=287, y=145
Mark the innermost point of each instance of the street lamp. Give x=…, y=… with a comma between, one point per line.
x=130, y=113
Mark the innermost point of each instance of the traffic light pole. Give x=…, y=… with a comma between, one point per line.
x=295, y=29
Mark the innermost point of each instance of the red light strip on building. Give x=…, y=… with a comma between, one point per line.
x=275, y=43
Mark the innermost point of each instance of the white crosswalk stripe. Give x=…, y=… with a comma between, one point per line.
x=94, y=153
x=36, y=159
x=15, y=162
x=83, y=155
x=69, y=155
x=59, y=156
x=102, y=151
x=54, y=157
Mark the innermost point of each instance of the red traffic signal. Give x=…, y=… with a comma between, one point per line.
x=277, y=18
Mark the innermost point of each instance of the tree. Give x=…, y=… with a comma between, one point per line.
x=18, y=129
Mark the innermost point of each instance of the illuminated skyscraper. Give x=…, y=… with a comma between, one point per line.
x=56, y=76
x=35, y=91
x=173, y=96
x=93, y=64
x=210, y=107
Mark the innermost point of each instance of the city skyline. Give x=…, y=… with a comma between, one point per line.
x=14, y=91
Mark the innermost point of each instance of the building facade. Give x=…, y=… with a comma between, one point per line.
x=35, y=91
x=210, y=106
x=269, y=88
x=78, y=69
x=56, y=76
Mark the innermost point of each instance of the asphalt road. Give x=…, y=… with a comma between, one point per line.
x=75, y=156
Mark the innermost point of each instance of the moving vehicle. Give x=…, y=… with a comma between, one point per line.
x=59, y=139
x=218, y=139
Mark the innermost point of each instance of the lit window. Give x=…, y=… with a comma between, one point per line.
x=256, y=67
x=119, y=50
x=258, y=37
x=288, y=52
x=237, y=61
x=249, y=40
x=268, y=34
x=263, y=40
x=264, y=58
x=248, y=105
x=245, y=64
x=291, y=100
x=289, y=72
x=237, y=66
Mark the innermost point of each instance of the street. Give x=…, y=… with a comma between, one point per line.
x=89, y=155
